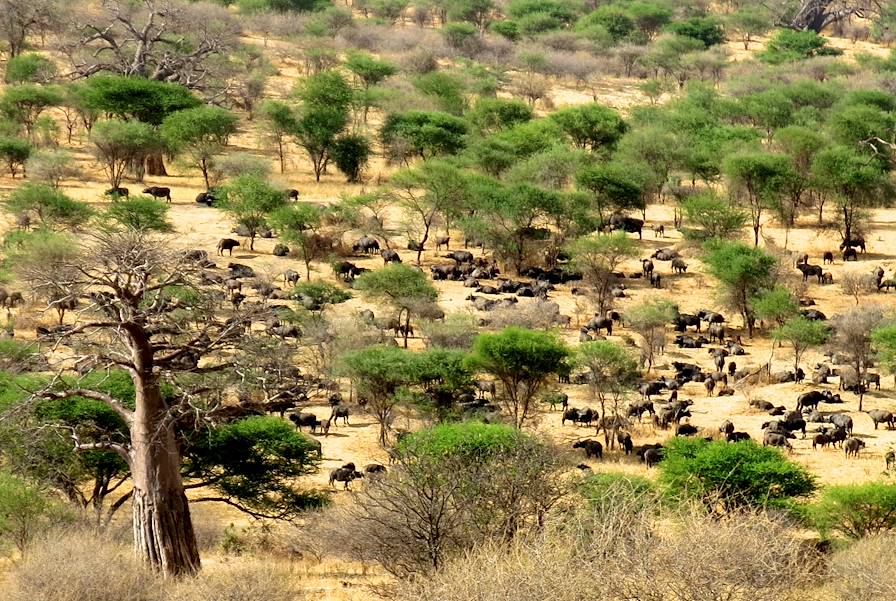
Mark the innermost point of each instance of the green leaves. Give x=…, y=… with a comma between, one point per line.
x=142, y=213
x=134, y=97
x=250, y=200
x=399, y=285
x=47, y=206
x=253, y=463
x=591, y=126
x=736, y=475
x=856, y=510
x=515, y=355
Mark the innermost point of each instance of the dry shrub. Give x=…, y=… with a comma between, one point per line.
x=79, y=565
x=698, y=558
x=865, y=570
x=245, y=579
x=537, y=315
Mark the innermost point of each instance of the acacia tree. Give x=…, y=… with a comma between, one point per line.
x=612, y=372
x=127, y=323
x=852, y=336
x=118, y=145
x=199, y=133
x=408, y=290
x=426, y=193
x=856, y=181
x=278, y=123
x=522, y=360
x=802, y=334
x=597, y=257
x=743, y=272
x=758, y=180
x=369, y=71
x=379, y=372
x=250, y=201
x=649, y=319
x=134, y=99
x=298, y=225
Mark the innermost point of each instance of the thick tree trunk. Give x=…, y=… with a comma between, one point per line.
x=155, y=165
x=163, y=530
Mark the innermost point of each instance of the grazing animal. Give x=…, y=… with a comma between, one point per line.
x=727, y=427
x=827, y=279
x=119, y=191
x=858, y=241
x=291, y=276
x=366, y=245
x=679, y=266
x=890, y=458
x=206, y=198
x=390, y=256
x=628, y=224
x=340, y=412
x=852, y=446
x=737, y=436
x=653, y=456
x=442, y=241
x=774, y=439
x=304, y=419
x=647, y=267
x=292, y=194
x=345, y=474
x=879, y=416
x=158, y=192
x=828, y=258
x=820, y=440
x=625, y=441
x=460, y=256
x=592, y=448
x=372, y=469
x=659, y=231
x=850, y=254
x=227, y=244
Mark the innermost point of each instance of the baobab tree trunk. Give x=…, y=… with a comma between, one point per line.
x=163, y=530
x=155, y=165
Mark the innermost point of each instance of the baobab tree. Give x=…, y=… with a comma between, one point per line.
x=141, y=311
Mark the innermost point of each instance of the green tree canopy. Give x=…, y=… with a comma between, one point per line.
x=250, y=201
x=51, y=208
x=145, y=100
x=118, y=145
x=856, y=510
x=422, y=134
x=199, y=133
x=591, y=126
x=297, y=225
x=715, y=217
x=743, y=273
x=522, y=360
x=737, y=475
x=408, y=290
x=801, y=334
x=143, y=213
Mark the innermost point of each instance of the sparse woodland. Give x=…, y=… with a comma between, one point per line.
x=447, y=299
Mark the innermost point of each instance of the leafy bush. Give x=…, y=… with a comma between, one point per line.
x=788, y=45
x=29, y=68
x=14, y=152
x=469, y=440
x=736, y=475
x=26, y=511
x=713, y=217
x=351, y=154
x=706, y=29
x=855, y=511
x=508, y=29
